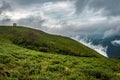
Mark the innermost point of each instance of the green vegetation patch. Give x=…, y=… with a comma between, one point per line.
x=18, y=63
x=44, y=42
x=22, y=63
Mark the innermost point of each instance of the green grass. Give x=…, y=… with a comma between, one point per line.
x=21, y=63
x=44, y=42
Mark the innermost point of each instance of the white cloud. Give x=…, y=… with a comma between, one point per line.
x=16, y=15
x=98, y=48
x=116, y=42
x=50, y=6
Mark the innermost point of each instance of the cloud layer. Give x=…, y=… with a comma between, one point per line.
x=98, y=48
x=116, y=42
x=65, y=17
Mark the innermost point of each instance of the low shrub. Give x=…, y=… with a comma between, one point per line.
x=98, y=74
x=47, y=76
x=34, y=68
x=55, y=62
x=4, y=59
x=53, y=68
x=75, y=76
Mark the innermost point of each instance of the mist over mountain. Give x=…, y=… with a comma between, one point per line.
x=112, y=43
x=109, y=46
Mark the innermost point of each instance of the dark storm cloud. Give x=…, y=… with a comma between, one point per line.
x=35, y=22
x=112, y=7
x=5, y=21
x=105, y=29
x=51, y=14
x=28, y=2
x=81, y=4
x=4, y=7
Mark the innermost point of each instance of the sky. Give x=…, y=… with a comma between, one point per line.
x=72, y=18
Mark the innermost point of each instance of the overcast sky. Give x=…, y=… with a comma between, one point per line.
x=64, y=17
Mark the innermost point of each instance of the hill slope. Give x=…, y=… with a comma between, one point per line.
x=41, y=41
x=18, y=63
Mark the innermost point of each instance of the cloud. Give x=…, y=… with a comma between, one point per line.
x=98, y=48
x=30, y=20
x=66, y=17
x=111, y=7
x=116, y=42
x=5, y=20
x=4, y=6
x=30, y=2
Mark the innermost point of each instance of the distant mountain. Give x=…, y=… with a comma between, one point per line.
x=113, y=50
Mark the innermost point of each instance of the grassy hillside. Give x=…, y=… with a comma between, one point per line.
x=41, y=41
x=19, y=62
